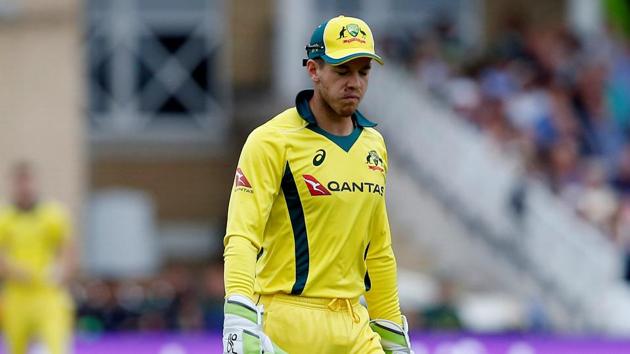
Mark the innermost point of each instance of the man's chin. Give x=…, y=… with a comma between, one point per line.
x=346, y=111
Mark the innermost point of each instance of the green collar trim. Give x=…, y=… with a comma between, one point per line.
x=301, y=103
x=344, y=142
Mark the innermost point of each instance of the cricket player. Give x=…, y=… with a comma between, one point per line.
x=36, y=258
x=307, y=231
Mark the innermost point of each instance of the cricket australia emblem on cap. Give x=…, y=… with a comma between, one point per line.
x=353, y=30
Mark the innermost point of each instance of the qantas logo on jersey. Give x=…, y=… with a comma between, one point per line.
x=316, y=188
x=241, y=182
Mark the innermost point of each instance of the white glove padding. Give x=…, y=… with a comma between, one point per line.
x=242, y=328
x=394, y=338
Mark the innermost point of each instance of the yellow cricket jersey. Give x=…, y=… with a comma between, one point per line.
x=31, y=240
x=307, y=213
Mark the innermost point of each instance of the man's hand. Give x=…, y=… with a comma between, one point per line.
x=242, y=328
x=14, y=272
x=394, y=338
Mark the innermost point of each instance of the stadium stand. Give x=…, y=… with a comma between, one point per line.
x=521, y=150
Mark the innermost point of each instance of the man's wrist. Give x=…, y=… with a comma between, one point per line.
x=242, y=306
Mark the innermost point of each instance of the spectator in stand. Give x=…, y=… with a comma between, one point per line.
x=443, y=315
x=530, y=108
x=492, y=121
x=622, y=233
x=431, y=68
x=562, y=165
x=158, y=308
x=560, y=99
x=596, y=200
x=497, y=81
x=212, y=296
x=601, y=135
x=621, y=178
x=100, y=311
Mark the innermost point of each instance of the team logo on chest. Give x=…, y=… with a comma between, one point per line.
x=374, y=162
x=314, y=186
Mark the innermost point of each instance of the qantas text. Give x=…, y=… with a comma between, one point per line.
x=335, y=186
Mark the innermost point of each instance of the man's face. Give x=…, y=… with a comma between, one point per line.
x=343, y=86
x=23, y=188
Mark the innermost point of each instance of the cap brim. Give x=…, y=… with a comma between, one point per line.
x=346, y=58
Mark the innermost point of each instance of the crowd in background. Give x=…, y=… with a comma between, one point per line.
x=182, y=297
x=189, y=298
x=558, y=99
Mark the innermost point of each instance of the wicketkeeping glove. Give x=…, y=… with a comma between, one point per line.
x=394, y=338
x=242, y=328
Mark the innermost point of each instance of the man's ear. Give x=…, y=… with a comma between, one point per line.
x=312, y=68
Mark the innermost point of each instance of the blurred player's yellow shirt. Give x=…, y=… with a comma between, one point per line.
x=31, y=240
x=38, y=306
x=313, y=207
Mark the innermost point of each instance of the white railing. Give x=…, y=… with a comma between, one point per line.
x=575, y=264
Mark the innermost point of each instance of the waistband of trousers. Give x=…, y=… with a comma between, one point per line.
x=317, y=302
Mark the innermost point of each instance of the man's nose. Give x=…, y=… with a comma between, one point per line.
x=353, y=80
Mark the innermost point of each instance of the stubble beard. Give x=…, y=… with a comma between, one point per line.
x=341, y=109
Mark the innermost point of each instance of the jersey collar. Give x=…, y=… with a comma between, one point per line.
x=301, y=103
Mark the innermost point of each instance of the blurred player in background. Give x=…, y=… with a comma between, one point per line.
x=307, y=232
x=36, y=260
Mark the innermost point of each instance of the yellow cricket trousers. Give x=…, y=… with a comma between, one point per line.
x=39, y=315
x=302, y=325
